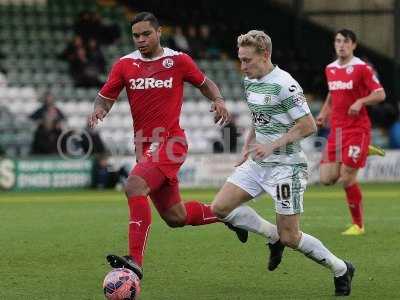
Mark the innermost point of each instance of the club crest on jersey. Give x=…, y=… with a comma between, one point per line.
x=349, y=69
x=267, y=99
x=168, y=63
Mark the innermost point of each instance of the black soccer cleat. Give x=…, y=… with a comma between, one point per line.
x=242, y=234
x=275, y=255
x=125, y=262
x=343, y=283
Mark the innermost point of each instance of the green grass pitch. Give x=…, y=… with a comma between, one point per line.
x=53, y=244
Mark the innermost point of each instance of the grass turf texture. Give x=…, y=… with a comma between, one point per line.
x=52, y=246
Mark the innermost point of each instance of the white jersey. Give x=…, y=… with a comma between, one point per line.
x=276, y=101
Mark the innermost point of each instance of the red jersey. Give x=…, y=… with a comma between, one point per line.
x=348, y=83
x=154, y=88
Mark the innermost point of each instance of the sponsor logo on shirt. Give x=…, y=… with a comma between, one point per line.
x=149, y=83
x=299, y=99
x=340, y=85
x=260, y=119
x=292, y=88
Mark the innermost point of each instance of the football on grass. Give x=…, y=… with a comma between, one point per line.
x=121, y=284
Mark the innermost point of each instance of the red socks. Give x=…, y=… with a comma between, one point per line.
x=139, y=226
x=199, y=214
x=140, y=221
x=354, y=201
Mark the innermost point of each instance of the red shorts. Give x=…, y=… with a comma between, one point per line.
x=158, y=164
x=347, y=147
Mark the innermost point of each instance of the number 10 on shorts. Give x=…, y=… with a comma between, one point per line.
x=283, y=194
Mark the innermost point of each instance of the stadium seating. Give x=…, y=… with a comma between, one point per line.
x=34, y=34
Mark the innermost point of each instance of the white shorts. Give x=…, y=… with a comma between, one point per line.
x=286, y=184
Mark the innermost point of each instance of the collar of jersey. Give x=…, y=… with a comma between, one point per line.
x=354, y=61
x=166, y=52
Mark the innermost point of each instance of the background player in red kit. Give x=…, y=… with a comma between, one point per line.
x=153, y=78
x=352, y=85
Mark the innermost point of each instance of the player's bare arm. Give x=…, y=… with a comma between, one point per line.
x=250, y=138
x=101, y=108
x=374, y=98
x=324, y=113
x=304, y=127
x=210, y=90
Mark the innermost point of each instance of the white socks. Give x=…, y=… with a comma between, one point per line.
x=245, y=217
x=315, y=250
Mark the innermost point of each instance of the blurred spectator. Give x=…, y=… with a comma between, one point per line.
x=3, y=72
x=71, y=49
x=48, y=110
x=84, y=71
x=95, y=55
x=46, y=136
x=110, y=32
x=394, y=135
x=90, y=25
x=95, y=143
x=193, y=41
x=384, y=114
x=230, y=135
x=180, y=41
x=3, y=80
x=103, y=176
x=296, y=62
x=106, y=176
x=86, y=61
x=208, y=45
x=167, y=36
x=2, y=69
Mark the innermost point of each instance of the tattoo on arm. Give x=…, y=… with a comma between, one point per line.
x=103, y=103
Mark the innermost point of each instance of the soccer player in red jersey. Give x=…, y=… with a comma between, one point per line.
x=352, y=86
x=153, y=78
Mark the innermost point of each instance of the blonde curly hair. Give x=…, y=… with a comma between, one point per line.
x=257, y=39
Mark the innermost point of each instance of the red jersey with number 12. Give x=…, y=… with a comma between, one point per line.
x=348, y=83
x=154, y=88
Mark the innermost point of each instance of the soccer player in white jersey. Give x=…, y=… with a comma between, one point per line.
x=273, y=162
